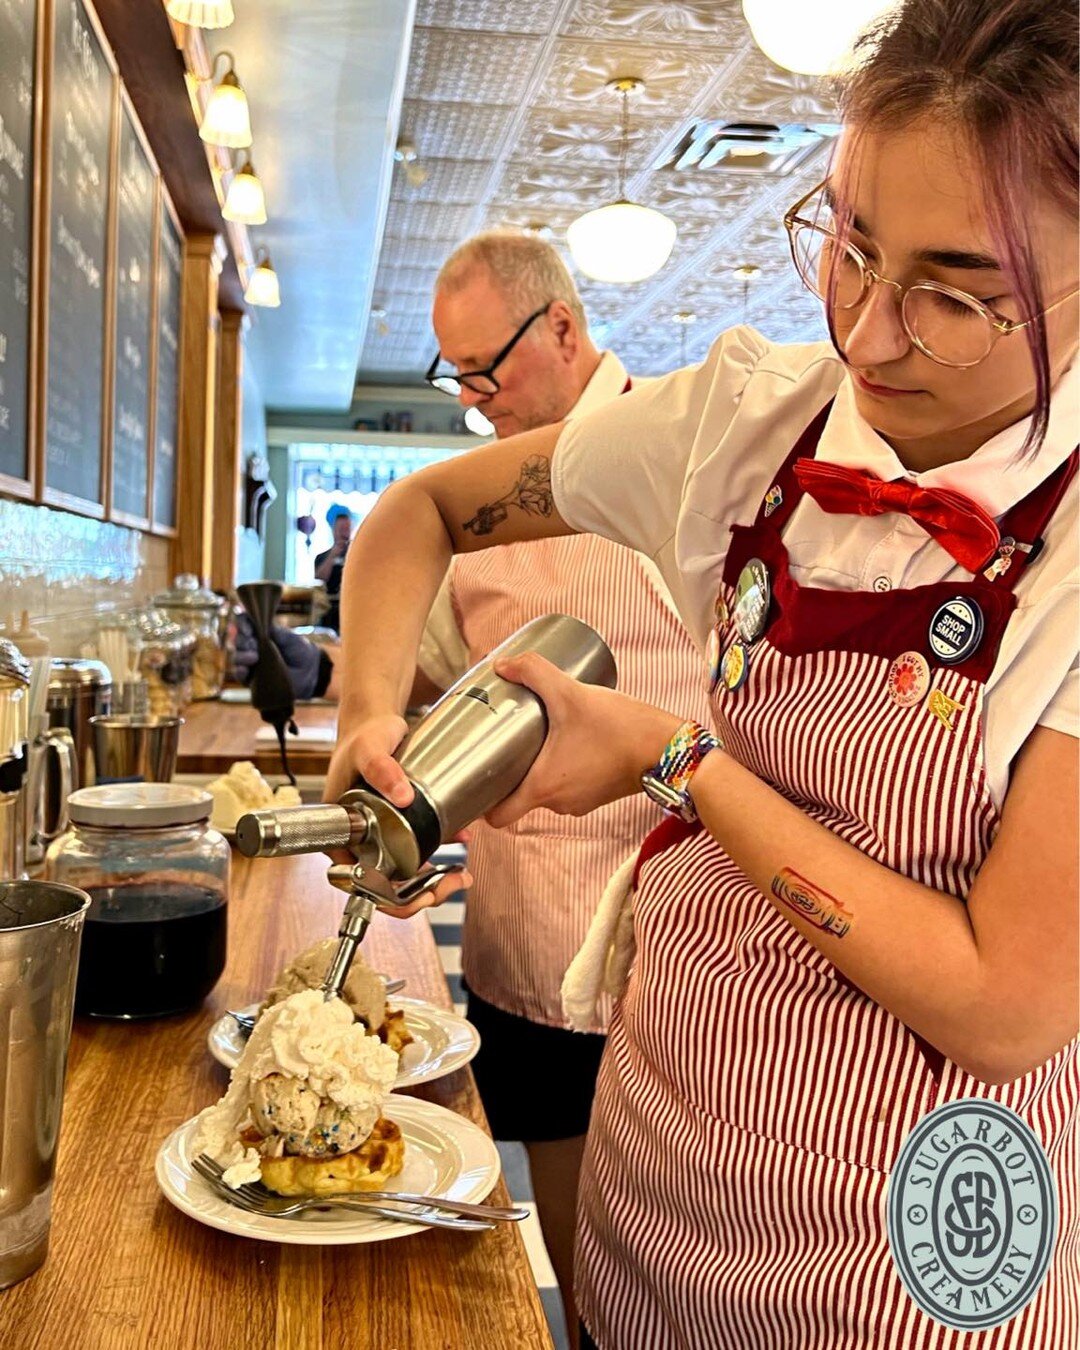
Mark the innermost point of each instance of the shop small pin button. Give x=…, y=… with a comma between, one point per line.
x=956, y=630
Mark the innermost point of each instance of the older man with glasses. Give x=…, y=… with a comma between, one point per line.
x=513, y=342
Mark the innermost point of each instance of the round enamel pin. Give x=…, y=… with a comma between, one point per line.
x=712, y=659
x=752, y=596
x=956, y=630
x=735, y=666
x=909, y=679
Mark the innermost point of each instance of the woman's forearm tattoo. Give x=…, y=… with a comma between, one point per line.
x=811, y=903
x=531, y=494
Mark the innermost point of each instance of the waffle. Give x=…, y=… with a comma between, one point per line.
x=367, y=1168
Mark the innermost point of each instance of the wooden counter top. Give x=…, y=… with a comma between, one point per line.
x=215, y=735
x=127, y=1271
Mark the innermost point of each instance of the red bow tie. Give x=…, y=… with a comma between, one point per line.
x=958, y=525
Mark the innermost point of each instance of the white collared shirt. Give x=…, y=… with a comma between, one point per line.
x=670, y=467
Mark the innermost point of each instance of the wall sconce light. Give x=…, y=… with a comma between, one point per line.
x=245, y=201
x=227, y=120
x=405, y=153
x=201, y=13
x=263, y=288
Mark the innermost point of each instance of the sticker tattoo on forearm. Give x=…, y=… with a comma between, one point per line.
x=531, y=494
x=811, y=903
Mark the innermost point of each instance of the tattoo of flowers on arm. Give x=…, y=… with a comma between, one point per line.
x=811, y=903
x=531, y=494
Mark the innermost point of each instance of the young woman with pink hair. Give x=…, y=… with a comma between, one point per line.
x=864, y=905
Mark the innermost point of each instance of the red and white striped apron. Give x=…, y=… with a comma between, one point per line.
x=751, y=1100
x=535, y=884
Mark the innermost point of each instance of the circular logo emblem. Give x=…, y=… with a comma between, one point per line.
x=735, y=666
x=909, y=679
x=752, y=596
x=972, y=1214
x=956, y=630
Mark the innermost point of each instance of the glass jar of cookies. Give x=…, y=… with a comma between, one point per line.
x=205, y=614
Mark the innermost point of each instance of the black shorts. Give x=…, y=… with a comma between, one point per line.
x=537, y=1082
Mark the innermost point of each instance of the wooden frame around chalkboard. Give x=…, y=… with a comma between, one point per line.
x=165, y=205
x=10, y=485
x=43, y=242
x=123, y=517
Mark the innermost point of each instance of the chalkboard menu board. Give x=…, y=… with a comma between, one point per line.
x=137, y=192
x=170, y=263
x=17, y=24
x=79, y=139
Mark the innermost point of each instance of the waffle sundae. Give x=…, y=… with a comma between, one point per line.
x=364, y=992
x=303, y=1111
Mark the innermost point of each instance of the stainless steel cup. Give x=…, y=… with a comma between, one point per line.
x=133, y=748
x=40, y=930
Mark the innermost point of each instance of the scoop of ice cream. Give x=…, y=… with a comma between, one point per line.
x=335, y=1131
x=244, y=789
x=283, y=1105
x=364, y=991
x=317, y=1043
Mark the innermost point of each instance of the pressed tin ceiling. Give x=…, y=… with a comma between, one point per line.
x=506, y=104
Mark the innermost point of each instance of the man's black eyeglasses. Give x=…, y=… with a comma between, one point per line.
x=479, y=381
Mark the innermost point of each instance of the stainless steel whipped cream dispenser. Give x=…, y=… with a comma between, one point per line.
x=468, y=754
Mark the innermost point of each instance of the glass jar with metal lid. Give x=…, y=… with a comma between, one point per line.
x=206, y=614
x=165, y=662
x=158, y=880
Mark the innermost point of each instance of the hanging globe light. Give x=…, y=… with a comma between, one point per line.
x=622, y=242
x=810, y=39
x=201, y=13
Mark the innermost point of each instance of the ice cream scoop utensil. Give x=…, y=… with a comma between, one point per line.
x=248, y=1198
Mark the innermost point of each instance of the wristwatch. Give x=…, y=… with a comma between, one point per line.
x=667, y=782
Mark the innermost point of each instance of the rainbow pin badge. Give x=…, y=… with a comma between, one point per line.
x=773, y=498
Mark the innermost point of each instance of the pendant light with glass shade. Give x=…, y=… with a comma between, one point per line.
x=810, y=39
x=227, y=120
x=262, y=288
x=622, y=242
x=245, y=201
x=201, y=13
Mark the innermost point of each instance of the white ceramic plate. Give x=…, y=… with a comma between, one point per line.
x=445, y=1155
x=442, y=1041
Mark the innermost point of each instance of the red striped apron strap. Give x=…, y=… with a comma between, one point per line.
x=671, y=831
x=1028, y=519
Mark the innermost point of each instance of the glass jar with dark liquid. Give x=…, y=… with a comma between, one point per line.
x=154, y=941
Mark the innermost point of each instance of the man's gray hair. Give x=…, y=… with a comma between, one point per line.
x=527, y=271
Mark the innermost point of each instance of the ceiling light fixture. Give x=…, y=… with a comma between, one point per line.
x=263, y=288
x=406, y=154
x=622, y=242
x=684, y=318
x=810, y=39
x=201, y=13
x=245, y=201
x=226, y=120
x=747, y=273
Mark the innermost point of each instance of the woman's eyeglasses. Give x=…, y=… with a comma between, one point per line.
x=949, y=326
x=479, y=381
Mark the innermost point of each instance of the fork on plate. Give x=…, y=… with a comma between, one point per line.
x=246, y=1021
x=432, y=1211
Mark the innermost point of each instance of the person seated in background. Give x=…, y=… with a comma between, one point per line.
x=330, y=564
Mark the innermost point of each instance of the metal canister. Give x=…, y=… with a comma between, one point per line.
x=205, y=614
x=78, y=690
x=40, y=931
